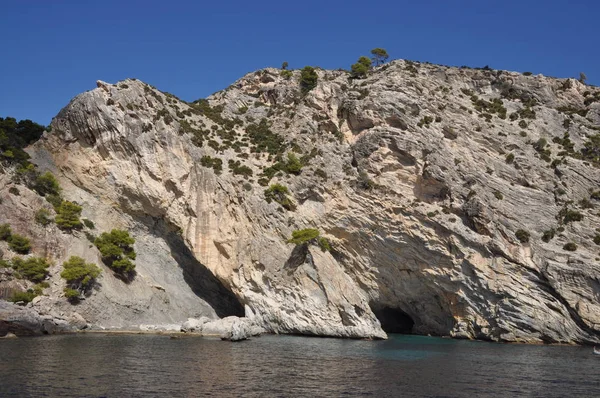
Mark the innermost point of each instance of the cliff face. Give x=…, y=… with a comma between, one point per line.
x=419, y=176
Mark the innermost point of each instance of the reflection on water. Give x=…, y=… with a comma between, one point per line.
x=281, y=366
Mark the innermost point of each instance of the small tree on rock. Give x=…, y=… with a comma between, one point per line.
x=284, y=65
x=308, y=79
x=379, y=56
x=19, y=244
x=80, y=276
x=46, y=184
x=116, y=248
x=67, y=216
x=5, y=231
x=309, y=235
x=360, y=68
x=279, y=193
x=34, y=269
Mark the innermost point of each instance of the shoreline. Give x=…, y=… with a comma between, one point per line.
x=180, y=334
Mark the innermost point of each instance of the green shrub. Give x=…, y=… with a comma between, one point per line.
x=34, y=269
x=570, y=246
x=324, y=244
x=523, y=124
x=71, y=294
x=279, y=193
x=380, y=55
x=286, y=74
x=264, y=140
x=5, y=231
x=548, y=235
x=46, y=184
x=88, y=223
x=54, y=200
x=42, y=217
x=570, y=215
x=302, y=236
x=215, y=163
x=239, y=169
x=116, y=248
x=591, y=149
x=67, y=217
x=25, y=297
x=597, y=239
x=360, y=68
x=522, y=235
x=308, y=79
x=19, y=244
x=293, y=165
x=79, y=274
x=487, y=108
x=498, y=195
x=510, y=158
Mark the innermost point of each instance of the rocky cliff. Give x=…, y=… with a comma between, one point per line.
x=451, y=199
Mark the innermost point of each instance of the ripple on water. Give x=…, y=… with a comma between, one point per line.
x=145, y=365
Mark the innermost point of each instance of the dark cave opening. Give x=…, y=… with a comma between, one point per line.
x=394, y=320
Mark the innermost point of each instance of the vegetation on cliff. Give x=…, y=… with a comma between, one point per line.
x=116, y=248
x=79, y=275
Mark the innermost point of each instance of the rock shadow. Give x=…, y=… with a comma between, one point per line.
x=201, y=280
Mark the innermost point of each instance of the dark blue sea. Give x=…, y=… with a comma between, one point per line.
x=99, y=365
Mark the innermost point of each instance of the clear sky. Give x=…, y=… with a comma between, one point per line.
x=54, y=49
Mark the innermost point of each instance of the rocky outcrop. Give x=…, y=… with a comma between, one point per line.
x=21, y=321
x=230, y=328
x=419, y=177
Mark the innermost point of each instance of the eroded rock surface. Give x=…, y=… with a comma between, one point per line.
x=419, y=176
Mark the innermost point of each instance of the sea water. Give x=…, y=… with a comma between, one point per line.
x=110, y=365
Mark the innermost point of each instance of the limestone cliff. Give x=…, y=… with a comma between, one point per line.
x=419, y=176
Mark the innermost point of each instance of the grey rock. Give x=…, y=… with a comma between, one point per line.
x=412, y=209
x=193, y=325
x=25, y=321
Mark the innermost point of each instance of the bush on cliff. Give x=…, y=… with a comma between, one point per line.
x=522, y=235
x=34, y=269
x=24, y=297
x=308, y=79
x=42, y=217
x=67, y=216
x=279, y=193
x=380, y=55
x=14, y=136
x=46, y=184
x=117, y=250
x=360, y=68
x=309, y=235
x=19, y=244
x=80, y=276
x=5, y=231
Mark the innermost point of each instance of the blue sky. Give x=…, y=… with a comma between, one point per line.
x=55, y=49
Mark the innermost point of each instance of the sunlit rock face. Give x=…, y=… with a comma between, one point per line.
x=418, y=176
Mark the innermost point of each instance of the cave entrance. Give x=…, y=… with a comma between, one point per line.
x=394, y=320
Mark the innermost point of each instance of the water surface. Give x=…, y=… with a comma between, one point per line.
x=98, y=365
